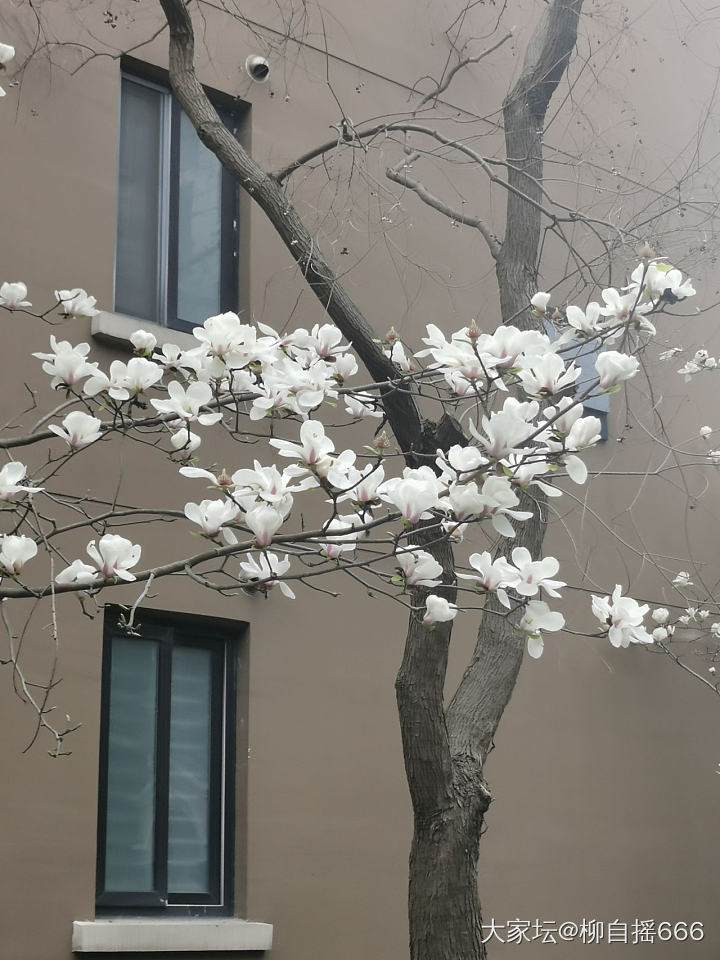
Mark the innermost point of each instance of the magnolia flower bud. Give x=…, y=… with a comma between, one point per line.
x=12, y=295
x=381, y=443
x=540, y=301
x=645, y=251
x=143, y=341
x=438, y=610
x=659, y=634
x=660, y=615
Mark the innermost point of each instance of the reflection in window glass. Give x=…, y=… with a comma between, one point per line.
x=129, y=850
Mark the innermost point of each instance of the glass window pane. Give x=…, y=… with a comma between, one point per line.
x=129, y=833
x=139, y=201
x=199, y=222
x=189, y=802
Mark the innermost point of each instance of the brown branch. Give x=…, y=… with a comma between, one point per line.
x=399, y=175
x=487, y=685
x=267, y=192
x=445, y=83
x=524, y=111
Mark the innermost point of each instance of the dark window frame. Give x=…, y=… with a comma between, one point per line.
x=225, y=641
x=233, y=113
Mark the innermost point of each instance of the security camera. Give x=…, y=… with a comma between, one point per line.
x=257, y=68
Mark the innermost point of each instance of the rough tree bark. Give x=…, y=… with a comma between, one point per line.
x=444, y=748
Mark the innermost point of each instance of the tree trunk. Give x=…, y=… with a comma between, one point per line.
x=444, y=910
x=444, y=751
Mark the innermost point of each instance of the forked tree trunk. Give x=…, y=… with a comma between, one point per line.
x=448, y=747
x=444, y=750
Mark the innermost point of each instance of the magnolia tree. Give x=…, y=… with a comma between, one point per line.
x=445, y=516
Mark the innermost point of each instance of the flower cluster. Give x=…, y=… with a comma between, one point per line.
x=529, y=431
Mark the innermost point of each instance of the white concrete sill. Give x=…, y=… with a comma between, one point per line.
x=125, y=935
x=116, y=328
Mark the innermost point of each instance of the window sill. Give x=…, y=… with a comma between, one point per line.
x=169, y=936
x=116, y=328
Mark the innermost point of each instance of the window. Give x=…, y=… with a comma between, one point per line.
x=167, y=748
x=584, y=355
x=176, y=246
x=597, y=404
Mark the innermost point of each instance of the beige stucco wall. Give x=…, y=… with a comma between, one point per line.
x=606, y=796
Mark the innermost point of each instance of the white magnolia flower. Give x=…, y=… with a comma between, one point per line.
x=67, y=364
x=143, y=341
x=658, y=278
x=669, y=354
x=266, y=567
x=705, y=431
x=78, y=572
x=459, y=463
x=313, y=448
x=398, y=356
x=345, y=366
x=505, y=345
x=114, y=555
x=525, y=473
x=507, y=429
x=264, y=521
x=222, y=482
x=211, y=514
x=7, y=52
x=613, y=368
x=78, y=429
x=15, y=551
x=496, y=500
x=660, y=615
x=540, y=301
x=538, y=617
x=12, y=295
x=622, y=308
x=534, y=574
x=438, y=610
x=563, y=415
x=172, y=359
x=186, y=404
x=585, y=321
x=454, y=531
x=342, y=537
x=546, y=375
x=659, y=634
x=10, y=476
x=418, y=567
x=325, y=340
x=125, y=379
x=492, y=575
x=77, y=303
x=362, y=485
x=715, y=630
x=269, y=485
x=232, y=342
x=185, y=440
x=414, y=494
x=623, y=618
x=362, y=405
